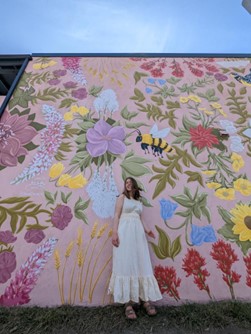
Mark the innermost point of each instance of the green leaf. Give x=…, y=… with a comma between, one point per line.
x=81, y=216
x=157, y=251
x=157, y=99
x=36, y=227
x=49, y=196
x=37, y=126
x=227, y=232
x=134, y=125
x=206, y=213
x=139, y=96
x=65, y=198
x=135, y=169
x=81, y=204
x=176, y=247
x=12, y=200
x=164, y=243
x=188, y=124
x=245, y=246
x=30, y=117
x=3, y=215
x=13, y=222
x=22, y=223
x=66, y=103
x=95, y=90
x=127, y=115
x=195, y=176
x=138, y=75
x=146, y=202
x=173, y=80
x=226, y=216
x=160, y=186
x=30, y=146
x=220, y=88
x=243, y=90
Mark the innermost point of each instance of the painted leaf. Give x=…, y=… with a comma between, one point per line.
x=164, y=243
x=176, y=247
x=138, y=75
x=157, y=251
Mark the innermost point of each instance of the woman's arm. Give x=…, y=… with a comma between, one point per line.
x=118, y=210
x=146, y=229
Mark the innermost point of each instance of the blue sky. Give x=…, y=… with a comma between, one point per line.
x=128, y=26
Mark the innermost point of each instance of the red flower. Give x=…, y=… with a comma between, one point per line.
x=148, y=65
x=177, y=70
x=202, y=137
x=157, y=72
x=168, y=281
x=247, y=261
x=192, y=265
x=226, y=257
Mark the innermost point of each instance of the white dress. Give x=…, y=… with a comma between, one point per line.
x=132, y=275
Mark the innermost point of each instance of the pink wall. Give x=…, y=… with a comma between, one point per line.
x=59, y=181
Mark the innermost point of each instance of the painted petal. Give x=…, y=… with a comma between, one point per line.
x=20, y=123
x=11, y=120
x=12, y=147
x=26, y=135
x=7, y=160
x=247, y=133
x=97, y=150
x=117, y=132
x=94, y=137
x=102, y=127
x=22, y=151
x=116, y=146
x=4, y=116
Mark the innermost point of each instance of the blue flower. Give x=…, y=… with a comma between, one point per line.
x=200, y=234
x=167, y=208
x=162, y=82
x=148, y=90
x=236, y=144
x=151, y=80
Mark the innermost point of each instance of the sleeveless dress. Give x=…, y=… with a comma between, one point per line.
x=132, y=275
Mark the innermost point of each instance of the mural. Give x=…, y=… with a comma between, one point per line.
x=76, y=127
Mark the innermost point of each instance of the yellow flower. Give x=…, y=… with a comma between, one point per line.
x=52, y=63
x=225, y=193
x=63, y=180
x=69, y=249
x=102, y=230
x=242, y=220
x=74, y=108
x=184, y=99
x=243, y=186
x=216, y=105
x=83, y=111
x=94, y=230
x=37, y=66
x=238, y=162
x=194, y=98
x=213, y=185
x=78, y=181
x=207, y=112
x=209, y=172
x=68, y=116
x=57, y=259
x=222, y=112
x=56, y=170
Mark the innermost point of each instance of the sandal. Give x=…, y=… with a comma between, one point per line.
x=150, y=309
x=129, y=312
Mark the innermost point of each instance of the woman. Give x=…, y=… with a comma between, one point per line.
x=132, y=277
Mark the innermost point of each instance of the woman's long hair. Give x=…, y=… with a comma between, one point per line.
x=135, y=189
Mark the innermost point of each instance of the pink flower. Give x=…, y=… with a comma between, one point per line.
x=15, y=132
x=34, y=236
x=7, y=237
x=17, y=293
x=7, y=265
x=61, y=216
x=53, y=82
x=80, y=93
x=103, y=137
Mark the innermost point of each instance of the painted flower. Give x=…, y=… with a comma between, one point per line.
x=216, y=105
x=79, y=94
x=237, y=162
x=83, y=111
x=247, y=132
x=148, y=90
x=70, y=84
x=15, y=132
x=236, y=144
x=105, y=138
x=7, y=265
x=184, y=99
x=68, y=116
x=241, y=217
x=225, y=193
x=56, y=170
x=53, y=82
x=220, y=77
x=202, y=137
x=78, y=181
x=151, y=80
x=7, y=237
x=59, y=73
x=34, y=236
x=167, y=209
x=106, y=102
x=213, y=185
x=207, y=112
x=243, y=186
x=228, y=126
x=194, y=98
x=63, y=180
x=200, y=234
x=61, y=216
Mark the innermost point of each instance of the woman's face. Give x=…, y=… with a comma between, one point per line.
x=128, y=185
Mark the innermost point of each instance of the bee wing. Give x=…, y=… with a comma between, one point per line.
x=162, y=133
x=154, y=129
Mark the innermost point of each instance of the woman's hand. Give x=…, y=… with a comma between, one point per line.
x=150, y=234
x=115, y=239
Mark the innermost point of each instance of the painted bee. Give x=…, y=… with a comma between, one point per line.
x=155, y=141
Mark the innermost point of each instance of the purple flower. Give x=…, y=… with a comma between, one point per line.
x=167, y=208
x=7, y=265
x=54, y=82
x=80, y=93
x=200, y=234
x=220, y=77
x=70, y=84
x=15, y=132
x=59, y=73
x=34, y=236
x=103, y=137
x=61, y=216
x=7, y=237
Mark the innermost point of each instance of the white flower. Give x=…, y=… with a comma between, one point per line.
x=106, y=102
x=236, y=144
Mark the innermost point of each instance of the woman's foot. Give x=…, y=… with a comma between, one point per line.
x=129, y=312
x=150, y=309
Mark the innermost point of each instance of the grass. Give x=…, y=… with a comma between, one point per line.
x=217, y=317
